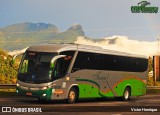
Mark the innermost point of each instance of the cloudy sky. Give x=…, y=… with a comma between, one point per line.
x=99, y=18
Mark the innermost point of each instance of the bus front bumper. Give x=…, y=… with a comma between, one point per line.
x=43, y=94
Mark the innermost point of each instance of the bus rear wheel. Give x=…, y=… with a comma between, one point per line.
x=126, y=94
x=72, y=96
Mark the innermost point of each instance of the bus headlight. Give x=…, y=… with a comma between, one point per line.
x=49, y=86
x=18, y=85
x=64, y=85
x=67, y=78
x=44, y=88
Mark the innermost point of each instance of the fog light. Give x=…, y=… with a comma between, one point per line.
x=44, y=95
x=16, y=91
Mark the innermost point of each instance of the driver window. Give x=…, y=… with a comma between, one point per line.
x=61, y=67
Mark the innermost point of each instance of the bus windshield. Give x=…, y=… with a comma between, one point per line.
x=35, y=67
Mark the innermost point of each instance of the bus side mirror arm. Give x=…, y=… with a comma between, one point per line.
x=54, y=59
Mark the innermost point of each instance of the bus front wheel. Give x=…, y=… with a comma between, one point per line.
x=72, y=96
x=126, y=94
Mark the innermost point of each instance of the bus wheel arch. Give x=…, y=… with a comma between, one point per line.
x=127, y=93
x=73, y=95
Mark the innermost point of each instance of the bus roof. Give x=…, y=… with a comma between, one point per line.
x=73, y=47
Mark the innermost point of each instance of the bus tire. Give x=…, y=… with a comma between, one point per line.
x=72, y=96
x=126, y=94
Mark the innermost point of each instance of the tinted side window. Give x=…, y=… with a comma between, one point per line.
x=97, y=61
x=86, y=60
x=123, y=63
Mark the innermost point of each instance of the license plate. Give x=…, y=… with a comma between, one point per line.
x=28, y=93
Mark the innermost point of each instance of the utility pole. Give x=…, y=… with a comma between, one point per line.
x=158, y=44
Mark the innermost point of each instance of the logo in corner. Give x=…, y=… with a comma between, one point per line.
x=144, y=3
x=144, y=7
x=6, y=109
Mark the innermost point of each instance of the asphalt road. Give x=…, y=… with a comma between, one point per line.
x=146, y=103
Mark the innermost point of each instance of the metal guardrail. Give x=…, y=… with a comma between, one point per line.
x=7, y=86
x=153, y=87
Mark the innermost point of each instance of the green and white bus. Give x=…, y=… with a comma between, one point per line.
x=71, y=72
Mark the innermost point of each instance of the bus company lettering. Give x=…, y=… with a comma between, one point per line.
x=99, y=76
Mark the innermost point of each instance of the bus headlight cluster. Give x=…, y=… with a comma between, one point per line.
x=45, y=87
x=18, y=85
x=64, y=85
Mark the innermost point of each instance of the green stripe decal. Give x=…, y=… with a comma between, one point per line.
x=92, y=91
x=88, y=80
x=88, y=90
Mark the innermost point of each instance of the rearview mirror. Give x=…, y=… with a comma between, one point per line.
x=52, y=63
x=54, y=59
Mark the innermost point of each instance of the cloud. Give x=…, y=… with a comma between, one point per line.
x=123, y=43
x=118, y=43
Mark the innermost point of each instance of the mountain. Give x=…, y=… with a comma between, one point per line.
x=21, y=35
x=29, y=31
x=29, y=27
x=71, y=34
